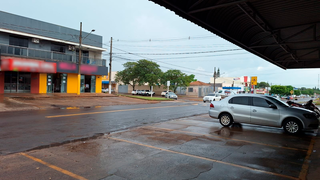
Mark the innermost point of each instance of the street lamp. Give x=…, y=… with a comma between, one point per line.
x=80, y=54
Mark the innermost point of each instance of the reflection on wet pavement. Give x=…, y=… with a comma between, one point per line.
x=196, y=147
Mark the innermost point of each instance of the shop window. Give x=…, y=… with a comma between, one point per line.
x=18, y=41
x=58, y=48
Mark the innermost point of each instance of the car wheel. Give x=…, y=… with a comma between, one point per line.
x=213, y=99
x=292, y=126
x=225, y=120
x=204, y=101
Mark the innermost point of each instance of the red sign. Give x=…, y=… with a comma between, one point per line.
x=245, y=78
x=87, y=69
x=26, y=65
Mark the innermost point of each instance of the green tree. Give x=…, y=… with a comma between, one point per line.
x=277, y=89
x=297, y=92
x=262, y=85
x=177, y=79
x=148, y=72
x=128, y=75
x=288, y=89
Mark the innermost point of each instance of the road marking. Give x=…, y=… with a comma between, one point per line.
x=251, y=142
x=54, y=167
x=305, y=166
x=207, y=159
x=101, y=112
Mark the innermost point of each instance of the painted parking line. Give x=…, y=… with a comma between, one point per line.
x=305, y=166
x=209, y=135
x=54, y=167
x=204, y=158
x=121, y=110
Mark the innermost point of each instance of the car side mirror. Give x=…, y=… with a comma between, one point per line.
x=272, y=106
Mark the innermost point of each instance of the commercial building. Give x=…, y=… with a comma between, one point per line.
x=39, y=57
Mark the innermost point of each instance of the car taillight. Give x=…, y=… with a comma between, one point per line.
x=211, y=105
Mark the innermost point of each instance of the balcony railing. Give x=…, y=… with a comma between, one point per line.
x=48, y=55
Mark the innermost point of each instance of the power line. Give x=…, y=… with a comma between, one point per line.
x=163, y=40
x=192, y=71
x=201, y=52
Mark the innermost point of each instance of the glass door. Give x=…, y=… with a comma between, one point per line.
x=10, y=82
x=15, y=82
x=24, y=82
x=63, y=83
x=93, y=84
x=49, y=83
x=82, y=83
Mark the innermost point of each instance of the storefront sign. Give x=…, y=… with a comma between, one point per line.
x=26, y=65
x=66, y=67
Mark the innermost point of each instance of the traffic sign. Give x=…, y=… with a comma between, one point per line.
x=254, y=80
x=291, y=92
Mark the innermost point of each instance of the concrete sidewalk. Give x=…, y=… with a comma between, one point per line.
x=27, y=101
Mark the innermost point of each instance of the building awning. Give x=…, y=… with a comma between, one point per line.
x=107, y=82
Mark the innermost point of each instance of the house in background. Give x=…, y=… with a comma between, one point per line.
x=199, y=89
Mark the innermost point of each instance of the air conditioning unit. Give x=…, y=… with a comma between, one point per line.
x=36, y=40
x=71, y=48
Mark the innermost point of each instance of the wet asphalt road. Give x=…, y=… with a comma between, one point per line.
x=154, y=141
x=25, y=130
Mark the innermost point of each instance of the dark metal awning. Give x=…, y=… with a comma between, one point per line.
x=285, y=33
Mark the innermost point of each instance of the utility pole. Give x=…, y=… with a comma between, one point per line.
x=79, y=63
x=110, y=66
x=214, y=79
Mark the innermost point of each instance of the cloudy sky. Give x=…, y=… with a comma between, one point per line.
x=149, y=31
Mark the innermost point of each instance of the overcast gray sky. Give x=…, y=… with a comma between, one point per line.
x=140, y=26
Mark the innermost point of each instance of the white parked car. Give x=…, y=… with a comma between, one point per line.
x=106, y=90
x=211, y=97
x=134, y=92
x=163, y=93
x=150, y=92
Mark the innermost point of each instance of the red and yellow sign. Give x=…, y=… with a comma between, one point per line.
x=254, y=80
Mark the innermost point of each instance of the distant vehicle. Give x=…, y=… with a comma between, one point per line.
x=143, y=92
x=211, y=97
x=226, y=92
x=163, y=93
x=263, y=110
x=134, y=92
x=106, y=90
x=139, y=92
x=171, y=95
x=150, y=92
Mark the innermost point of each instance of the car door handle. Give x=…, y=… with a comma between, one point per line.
x=254, y=110
x=231, y=107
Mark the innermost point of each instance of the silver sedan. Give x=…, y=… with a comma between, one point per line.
x=171, y=95
x=263, y=110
